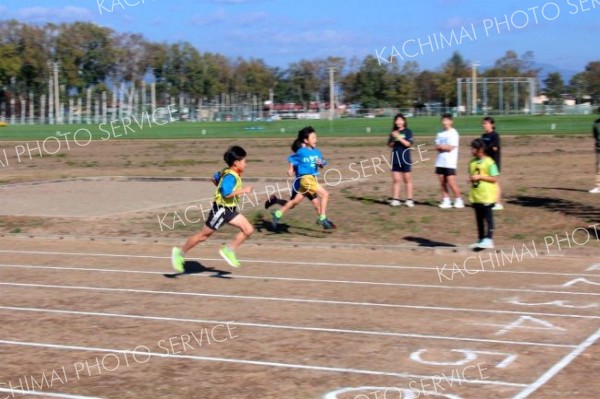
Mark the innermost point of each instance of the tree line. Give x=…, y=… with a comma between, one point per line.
x=97, y=57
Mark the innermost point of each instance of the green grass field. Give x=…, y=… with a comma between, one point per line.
x=360, y=127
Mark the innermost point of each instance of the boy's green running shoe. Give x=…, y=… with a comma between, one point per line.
x=326, y=223
x=277, y=215
x=229, y=256
x=177, y=260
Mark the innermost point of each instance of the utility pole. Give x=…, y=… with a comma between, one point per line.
x=59, y=117
x=50, y=95
x=331, y=93
x=474, y=94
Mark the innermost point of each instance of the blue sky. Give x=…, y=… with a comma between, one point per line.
x=281, y=31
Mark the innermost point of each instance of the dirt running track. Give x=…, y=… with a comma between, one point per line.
x=107, y=320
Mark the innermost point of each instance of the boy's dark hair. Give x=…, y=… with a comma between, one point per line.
x=304, y=133
x=490, y=120
x=234, y=153
x=478, y=144
x=447, y=116
x=296, y=145
x=403, y=118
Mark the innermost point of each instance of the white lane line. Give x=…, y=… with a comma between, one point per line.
x=293, y=300
x=252, y=362
x=285, y=262
x=281, y=327
x=308, y=280
x=564, y=362
x=44, y=393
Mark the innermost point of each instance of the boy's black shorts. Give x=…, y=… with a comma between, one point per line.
x=309, y=196
x=445, y=171
x=220, y=215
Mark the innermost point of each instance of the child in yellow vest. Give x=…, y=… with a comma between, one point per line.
x=483, y=173
x=224, y=211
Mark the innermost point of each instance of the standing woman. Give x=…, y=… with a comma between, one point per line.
x=491, y=138
x=400, y=140
x=596, y=132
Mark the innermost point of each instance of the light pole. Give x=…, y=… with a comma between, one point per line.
x=474, y=87
x=331, y=93
x=59, y=117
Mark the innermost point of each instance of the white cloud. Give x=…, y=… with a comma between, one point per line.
x=223, y=17
x=51, y=14
x=214, y=18
x=313, y=44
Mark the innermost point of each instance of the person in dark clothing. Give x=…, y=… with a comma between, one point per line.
x=596, y=132
x=491, y=138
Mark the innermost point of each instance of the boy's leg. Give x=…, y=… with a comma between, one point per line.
x=488, y=214
x=499, y=197
x=292, y=203
x=246, y=230
x=273, y=199
x=454, y=186
x=409, y=185
x=498, y=206
x=177, y=254
x=278, y=214
x=443, y=185
x=479, y=218
x=324, y=196
x=396, y=185
x=197, y=239
x=316, y=201
x=323, y=220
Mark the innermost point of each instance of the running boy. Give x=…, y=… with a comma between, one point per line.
x=492, y=149
x=483, y=174
x=446, y=144
x=229, y=188
x=307, y=159
x=293, y=172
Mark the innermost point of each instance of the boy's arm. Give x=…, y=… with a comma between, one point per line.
x=489, y=179
x=321, y=162
x=495, y=144
x=405, y=142
x=227, y=188
x=243, y=190
x=493, y=175
x=444, y=147
x=447, y=147
x=292, y=163
x=215, y=178
x=391, y=140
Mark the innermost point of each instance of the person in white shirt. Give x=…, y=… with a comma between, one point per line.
x=446, y=144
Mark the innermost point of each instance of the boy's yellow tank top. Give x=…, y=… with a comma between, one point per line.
x=228, y=202
x=482, y=192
